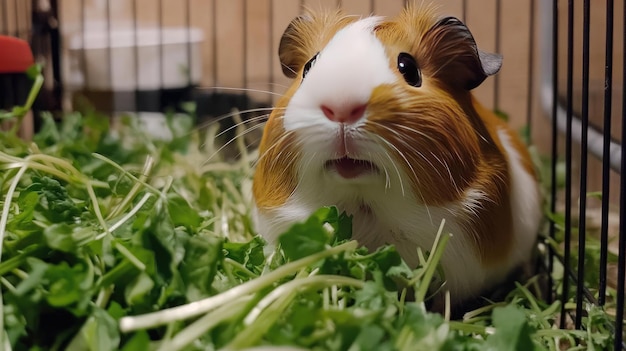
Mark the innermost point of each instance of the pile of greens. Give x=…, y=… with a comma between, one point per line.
x=113, y=239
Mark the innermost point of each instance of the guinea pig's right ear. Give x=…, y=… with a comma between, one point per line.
x=456, y=56
x=305, y=36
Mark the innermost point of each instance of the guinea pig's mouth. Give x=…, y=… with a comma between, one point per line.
x=351, y=168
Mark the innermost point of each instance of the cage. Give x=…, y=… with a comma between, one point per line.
x=562, y=85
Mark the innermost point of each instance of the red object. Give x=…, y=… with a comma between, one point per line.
x=15, y=55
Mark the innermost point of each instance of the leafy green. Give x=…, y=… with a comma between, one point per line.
x=115, y=240
x=512, y=331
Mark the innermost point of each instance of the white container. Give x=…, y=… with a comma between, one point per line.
x=167, y=58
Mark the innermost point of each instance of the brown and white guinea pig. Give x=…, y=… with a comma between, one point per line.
x=380, y=122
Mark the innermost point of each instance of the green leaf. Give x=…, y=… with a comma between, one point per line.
x=249, y=254
x=160, y=236
x=65, y=285
x=420, y=330
x=33, y=71
x=344, y=227
x=55, y=199
x=36, y=273
x=99, y=333
x=59, y=236
x=136, y=291
x=27, y=202
x=48, y=133
x=139, y=341
x=304, y=239
x=198, y=269
x=181, y=213
x=512, y=331
x=369, y=338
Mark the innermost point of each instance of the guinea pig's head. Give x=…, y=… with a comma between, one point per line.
x=376, y=100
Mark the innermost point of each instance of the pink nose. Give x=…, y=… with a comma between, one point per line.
x=348, y=113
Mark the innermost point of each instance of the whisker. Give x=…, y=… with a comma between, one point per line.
x=393, y=163
x=230, y=142
x=409, y=145
x=447, y=167
x=305, y=165
x=275, y=145
x=416, y=131
x=412, y=171
x=279, y=85
x=289, y=153
x=256, y=162
x=238, y=124
x=382, y=163
x=269, y=92
x=236, y=112
x=289, y=68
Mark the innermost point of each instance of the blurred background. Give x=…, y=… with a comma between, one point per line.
x=149, y=56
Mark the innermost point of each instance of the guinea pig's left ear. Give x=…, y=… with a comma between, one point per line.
x=292, y=50
x=305, y=36
x=455, y=56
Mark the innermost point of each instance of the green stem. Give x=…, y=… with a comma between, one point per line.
x=433, y=260
x=129, y=256
x=263, y=316
x=471, y=328
x=114, y=274
x=205, y=323
x=96, y=207
x=3, y=225
x=147, y=168
x=17, y=260
x=154, y=319
x=126, y=217
x=34, y=91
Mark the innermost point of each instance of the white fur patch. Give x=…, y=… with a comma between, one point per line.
x=347, y=70
x=525, y=204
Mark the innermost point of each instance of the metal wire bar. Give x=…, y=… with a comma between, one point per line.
x=270, y=28
x=136, y=51
x=17, y=18
x=214, y=40
x=606, y=170
x=531, y=70
x=584, y=293
x=5, y=14
x=161, y=51
x=621, y=267
x=582, y=201
x=496, y=81
x=83, y=51
x=109, y=42
x=554, y=146
x=28, y=12
x=188, y=37
x=244, y=66
x=568, y=160
x=54, y=46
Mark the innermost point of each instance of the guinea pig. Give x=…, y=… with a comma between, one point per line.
x=380, y=122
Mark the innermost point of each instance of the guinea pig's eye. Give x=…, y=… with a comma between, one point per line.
x=408, y=67
x=309, y=64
